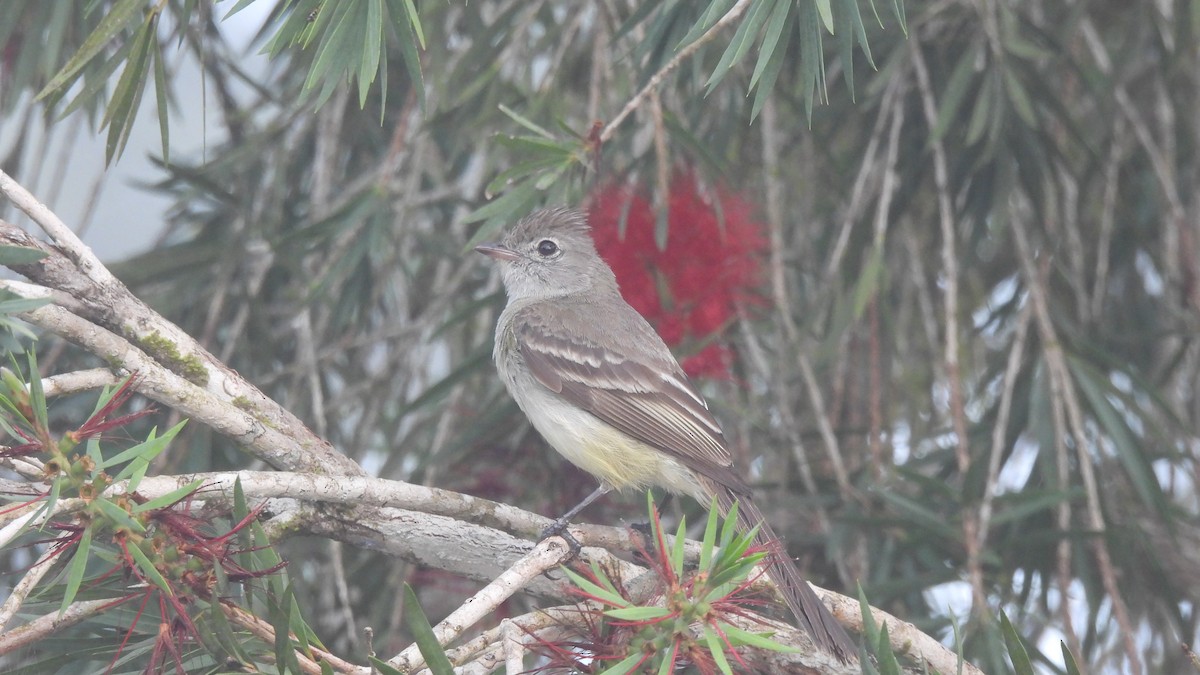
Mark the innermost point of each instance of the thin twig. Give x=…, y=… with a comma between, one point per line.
x=1061, y=385
x=657, y=79
x=48, y=624
x=24, y=587
x=550, y=552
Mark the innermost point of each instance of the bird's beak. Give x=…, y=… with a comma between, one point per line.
x=497, y=251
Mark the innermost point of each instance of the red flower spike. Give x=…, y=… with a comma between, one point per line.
x=691, y=289
x=99, y=422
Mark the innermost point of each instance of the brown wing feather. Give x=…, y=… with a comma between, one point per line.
x=657, y=406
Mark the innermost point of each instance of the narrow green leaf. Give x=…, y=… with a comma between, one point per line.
x=676, y=552
x=826, y=13
x=602, y=594
x=383, y=667
x=810, y=55
x=119, y=516
x=625, y=665
x=737, y=636
x=418, y=625
x=1136, y=461
x=526, y=122
x=860, y=30
x=169, y=498
x=1020, y=99
x=1016, y=649
x=140, y=455
x=710, y=536
x=955, y=92
x=22, y=305
x=371, y=50
x=115, y=20
x=1069, y=663
x=95, y=82
x=776, y=23
x=147, y=568
x=160, y=97
x=716, y=9
x=716, y=647
x=638, y=613
x=414, y=20
x=981, y=113
x=888, y=665
x=408, y=48
x=770, y=74
x=746, y=33
x=20, y=255
x=123, y=107
x=37, y=395
x=280, y=616
x=79, y=563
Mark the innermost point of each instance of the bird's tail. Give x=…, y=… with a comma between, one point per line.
x=803, y=601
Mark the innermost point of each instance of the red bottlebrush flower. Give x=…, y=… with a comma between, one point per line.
x=690, y=289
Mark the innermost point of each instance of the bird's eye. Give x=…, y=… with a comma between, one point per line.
x=547, y=248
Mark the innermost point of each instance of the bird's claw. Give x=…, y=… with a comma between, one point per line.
x=559, y=529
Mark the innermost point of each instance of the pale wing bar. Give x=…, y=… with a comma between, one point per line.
x=658, y=408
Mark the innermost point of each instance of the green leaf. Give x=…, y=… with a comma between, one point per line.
x=119, y=516
x=888, y=665
x=638, y=613
x=1016, y=649
x=955, y=93
x=281, y=622
x=826, y=13
x=79, y=562
x=418, y=625
x=1020, y=99
x=369, y=59
x=746, y=33
x=776, y=23
x=414, y=20
x=383, y=667
x=169, y=498
x=716, y=9
x=604, y=595
x=147, y=568
x=115, y=20
x=140, y=455
x=810, y=55
x=22, y=305
x=123, y=107
x=20, y=255
x=1069, y=663
x=709, y=542
x=408, y=40
x=1138, y=464
x=625, y=665
x=526, y=122
x=37, y=395
x=739, y=637
x=161, y=99
x=716, y=647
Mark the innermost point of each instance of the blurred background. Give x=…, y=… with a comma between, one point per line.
x=934, y=265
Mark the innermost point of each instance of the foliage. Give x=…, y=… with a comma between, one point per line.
x=686, y=620
x=160, y=576
x=972, y=387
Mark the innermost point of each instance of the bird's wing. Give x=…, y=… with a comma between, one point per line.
x=652, y=402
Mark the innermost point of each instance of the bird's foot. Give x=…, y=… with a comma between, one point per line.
x=559, y=529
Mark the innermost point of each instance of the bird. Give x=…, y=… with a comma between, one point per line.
x=599, y=384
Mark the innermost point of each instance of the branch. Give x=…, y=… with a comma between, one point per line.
x=103, y=300
x=48, y=624
x=549, y=553
x=656, y=80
